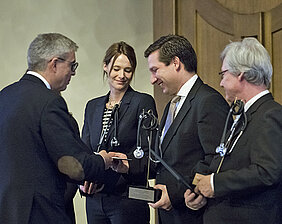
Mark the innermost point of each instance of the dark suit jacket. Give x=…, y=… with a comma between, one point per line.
x=132, y=105
x=35, y=133
x=248, y=186
x=193, y=136
x=71, y=188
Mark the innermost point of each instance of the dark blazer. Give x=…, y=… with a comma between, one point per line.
x=248, y=186
x=36, y=132
x=71, y=188
x=193, y=136
x=132, y=105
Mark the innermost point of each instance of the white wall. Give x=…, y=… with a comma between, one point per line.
x=94, y=25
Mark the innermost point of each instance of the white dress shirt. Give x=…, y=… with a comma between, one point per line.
x=40, y=77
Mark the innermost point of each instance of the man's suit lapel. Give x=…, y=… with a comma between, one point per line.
x=256, y=105
x=237, y=128
x=180, y=116
x=249, y=115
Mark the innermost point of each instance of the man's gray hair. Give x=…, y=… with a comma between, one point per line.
x=250, y=57
x=47, y=46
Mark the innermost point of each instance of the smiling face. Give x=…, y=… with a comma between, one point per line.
x=63, y=73
x=119, y=74
x=162, y=75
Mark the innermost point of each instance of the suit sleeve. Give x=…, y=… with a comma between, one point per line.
x=265, y=167
x=72, y=157
x=213, y=112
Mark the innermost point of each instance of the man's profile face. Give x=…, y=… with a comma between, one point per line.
x=162, y=75
x=63, y=73
x=230, y=83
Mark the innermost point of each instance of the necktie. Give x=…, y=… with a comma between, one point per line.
x=171, y=113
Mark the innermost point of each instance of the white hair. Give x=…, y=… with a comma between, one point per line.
x=250, y=57
x=46, y=46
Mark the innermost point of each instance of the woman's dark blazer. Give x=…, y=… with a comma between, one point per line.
x=132, y=105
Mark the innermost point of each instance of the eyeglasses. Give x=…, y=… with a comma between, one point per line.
x=73, y=65
x=222, y=73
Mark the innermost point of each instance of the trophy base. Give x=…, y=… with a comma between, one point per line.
x=144, y=193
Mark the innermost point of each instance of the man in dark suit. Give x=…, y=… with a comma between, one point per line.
x=40, y=147
x=191, y=137
x=245, y=184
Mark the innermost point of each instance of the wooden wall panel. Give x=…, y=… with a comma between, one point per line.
x=276, y=47
x=216, y=15
x=249, y=6
x=164, y=17
x=210, y=24
x=186, y=19
x=208, y=52
x=277, y=66
x=163, y=24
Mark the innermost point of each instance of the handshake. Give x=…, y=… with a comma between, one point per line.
x=114, y=160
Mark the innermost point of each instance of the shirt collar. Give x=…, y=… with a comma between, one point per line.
x=40, y=77
x=254, y=99
x=186, y=88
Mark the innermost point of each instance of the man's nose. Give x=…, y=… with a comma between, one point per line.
x=153, y=79
x=221, y=83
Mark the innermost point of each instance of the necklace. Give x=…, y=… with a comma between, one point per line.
x=111, y=103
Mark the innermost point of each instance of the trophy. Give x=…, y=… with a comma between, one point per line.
x=147, y=121
x=148, y=193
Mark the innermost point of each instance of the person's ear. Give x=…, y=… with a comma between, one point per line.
x=241, y=77
x=105, y=67
x=176, y=62
x=52, y=64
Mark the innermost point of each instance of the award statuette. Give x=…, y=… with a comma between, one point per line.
x=173, y=172
x=147, y=121
x=147, y=193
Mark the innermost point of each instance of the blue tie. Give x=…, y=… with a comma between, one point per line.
x=171, y=114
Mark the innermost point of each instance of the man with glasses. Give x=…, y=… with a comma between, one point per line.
x=40, y=146
x=244, y=184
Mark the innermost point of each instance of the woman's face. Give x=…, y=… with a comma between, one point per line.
x=121, y=74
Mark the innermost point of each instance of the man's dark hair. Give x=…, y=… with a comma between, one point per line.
x=174, y=45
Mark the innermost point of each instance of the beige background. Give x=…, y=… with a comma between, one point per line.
x=93, y=25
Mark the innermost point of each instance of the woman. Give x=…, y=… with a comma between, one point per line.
x=111, y=123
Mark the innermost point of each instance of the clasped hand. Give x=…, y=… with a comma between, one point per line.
x=120, y=166
x=164, y=201
x=197, y=199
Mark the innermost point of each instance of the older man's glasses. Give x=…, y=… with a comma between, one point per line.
x=73, y=65
x=222, y=73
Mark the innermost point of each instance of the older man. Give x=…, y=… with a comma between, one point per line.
x=39, y=143
x=245, y=184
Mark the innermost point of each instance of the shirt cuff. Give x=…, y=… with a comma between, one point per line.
x=212, y=181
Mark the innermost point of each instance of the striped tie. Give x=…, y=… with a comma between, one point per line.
x=171, y=114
